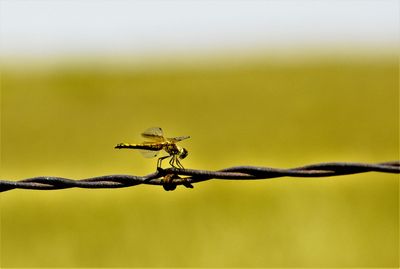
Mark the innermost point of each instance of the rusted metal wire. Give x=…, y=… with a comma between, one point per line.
x=171, y=177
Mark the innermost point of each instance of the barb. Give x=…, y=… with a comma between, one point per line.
x=171, y=177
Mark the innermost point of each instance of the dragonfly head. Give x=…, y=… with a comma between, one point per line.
x=183, y=153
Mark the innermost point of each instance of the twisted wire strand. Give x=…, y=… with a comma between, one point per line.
x=171, y=177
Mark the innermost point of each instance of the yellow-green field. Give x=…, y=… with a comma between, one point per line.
x=65, y=120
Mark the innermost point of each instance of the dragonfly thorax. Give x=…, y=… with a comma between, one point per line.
x=174, y=149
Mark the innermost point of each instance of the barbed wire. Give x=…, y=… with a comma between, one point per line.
x=171, y=177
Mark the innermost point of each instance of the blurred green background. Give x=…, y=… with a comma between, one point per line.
x=64, y=120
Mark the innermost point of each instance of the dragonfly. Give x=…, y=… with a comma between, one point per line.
x=158, y=142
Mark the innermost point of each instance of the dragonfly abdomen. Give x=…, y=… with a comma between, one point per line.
x=155, y=146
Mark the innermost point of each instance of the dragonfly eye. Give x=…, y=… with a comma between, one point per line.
x=184, y=153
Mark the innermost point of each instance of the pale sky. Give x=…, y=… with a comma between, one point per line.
x=88, y=26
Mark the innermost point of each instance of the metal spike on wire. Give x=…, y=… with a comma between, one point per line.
x=171, y=177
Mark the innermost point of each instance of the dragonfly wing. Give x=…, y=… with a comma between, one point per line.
x=149, y=153
x=154, y=133
x=179, y=138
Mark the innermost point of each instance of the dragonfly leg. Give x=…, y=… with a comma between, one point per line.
x=179, y=163
x=160, y=160
x=172, y=161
